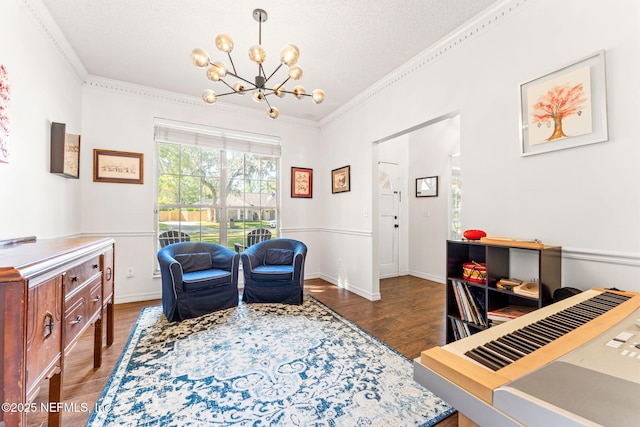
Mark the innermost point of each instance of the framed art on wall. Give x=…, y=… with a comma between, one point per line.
x=118, y=166
x=427, y=187
x=301, y=182
x=565, y=108
x=65, y=152
x=341, y=180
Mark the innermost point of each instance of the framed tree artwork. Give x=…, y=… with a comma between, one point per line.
x=565, y=108
x=301, y=182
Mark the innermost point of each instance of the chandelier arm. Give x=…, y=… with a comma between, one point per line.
x=226, y=93
x=261, y=71
x=242, y=78
x=227, y=85
x=232, y=64
x=297, y=94
x=274, y=71
x=286, y=80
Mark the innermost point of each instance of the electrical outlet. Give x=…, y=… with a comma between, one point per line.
x=129, y=272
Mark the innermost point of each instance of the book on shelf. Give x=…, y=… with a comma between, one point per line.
x=508, y=312
x=460, y=329
x=470, y=305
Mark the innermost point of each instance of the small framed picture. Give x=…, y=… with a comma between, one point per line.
x=427, y=187
x=301, y=182
x=118, y=166
x=341, y=180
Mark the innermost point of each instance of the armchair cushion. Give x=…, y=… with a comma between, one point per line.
x=194, y=262
x=276, y=256
x=205, y=279
x=273, y=273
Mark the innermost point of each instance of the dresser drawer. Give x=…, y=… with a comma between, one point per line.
x=76, y=316
x=107, y=275
x=78, y=274
x=95, y=299
x=44, y=330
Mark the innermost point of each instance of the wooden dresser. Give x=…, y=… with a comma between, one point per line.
x=51, y=291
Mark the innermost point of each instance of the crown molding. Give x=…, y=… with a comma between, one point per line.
x=468, y=31
x=48, y=27
x=119, y=86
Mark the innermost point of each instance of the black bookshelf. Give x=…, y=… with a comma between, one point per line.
x=470, y=317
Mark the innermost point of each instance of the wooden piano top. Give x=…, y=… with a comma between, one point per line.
x=450, y=362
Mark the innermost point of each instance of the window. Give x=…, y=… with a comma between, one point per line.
x=455, y=198
x=214, y=185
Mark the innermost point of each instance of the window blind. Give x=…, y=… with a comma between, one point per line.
x=186, y=133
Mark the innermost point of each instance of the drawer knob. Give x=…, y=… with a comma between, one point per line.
x=74, y=279
x=76, y=320
x=48, y=324
x=97, y=298
x=95, y=265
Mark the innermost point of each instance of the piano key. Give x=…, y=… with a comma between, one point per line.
x=533, y=336
x=527, y=339
x=478, y=357
x=597, y=305
x=552, y=335
x=502, y=350
x=590, y=308
x=565, y=319
x=495, y=358
x=581, y=313
x=518, y=343
x=561, y=328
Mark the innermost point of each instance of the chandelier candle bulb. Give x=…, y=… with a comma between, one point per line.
x=299, y=92
x=259, y=85
x=224, y=43
x=289, y=55
x=199, y=57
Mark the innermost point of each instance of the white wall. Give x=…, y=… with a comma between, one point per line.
x=120, y=116
x=430, y=149
x=44, y=89
x=585, y=199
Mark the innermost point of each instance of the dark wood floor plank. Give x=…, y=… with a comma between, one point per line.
x=408, y=318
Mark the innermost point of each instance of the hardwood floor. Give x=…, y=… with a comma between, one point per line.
x=408, y=318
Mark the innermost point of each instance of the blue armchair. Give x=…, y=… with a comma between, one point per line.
x=274, y=271
x=197, y=278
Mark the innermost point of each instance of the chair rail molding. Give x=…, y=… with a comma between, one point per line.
x=608, y=257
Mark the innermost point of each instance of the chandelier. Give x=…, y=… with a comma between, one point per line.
x=216, y=71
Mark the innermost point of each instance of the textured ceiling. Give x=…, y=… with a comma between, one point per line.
x=345, y=45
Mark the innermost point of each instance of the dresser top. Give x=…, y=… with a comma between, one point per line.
x=21, y=260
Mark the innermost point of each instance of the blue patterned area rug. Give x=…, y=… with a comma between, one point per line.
x=262, y=365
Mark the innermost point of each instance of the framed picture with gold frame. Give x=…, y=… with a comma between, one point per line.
x=118, y=166
x=301, y=182
x=341, y=180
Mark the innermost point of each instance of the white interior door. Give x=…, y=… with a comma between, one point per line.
x=388, y=221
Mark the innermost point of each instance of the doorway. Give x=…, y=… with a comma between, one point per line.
x=421, y=226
